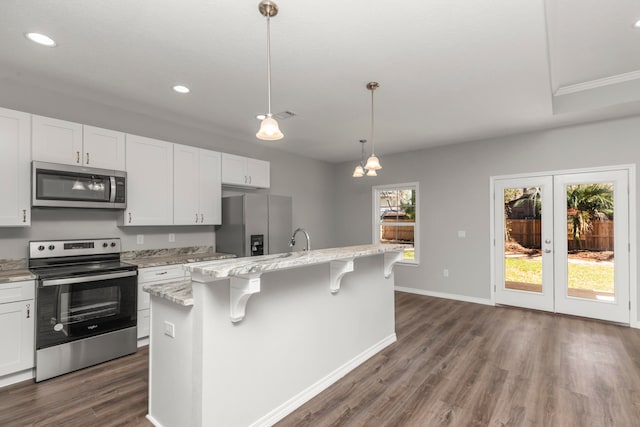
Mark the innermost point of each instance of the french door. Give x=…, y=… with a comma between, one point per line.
x=562, y=243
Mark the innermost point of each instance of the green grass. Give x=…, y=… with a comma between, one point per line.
x=592, y=276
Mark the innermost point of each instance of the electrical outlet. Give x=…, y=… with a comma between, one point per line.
x=462, y=234
x=169, y=329
x=172, y=237
x=445, y=272
x=140, y=239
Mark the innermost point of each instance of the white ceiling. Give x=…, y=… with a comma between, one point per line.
x=449, y=70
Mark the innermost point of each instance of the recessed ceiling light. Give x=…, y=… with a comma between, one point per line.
x=636, y=24
x=41, y=39
x=261, y=117
x=181, y=89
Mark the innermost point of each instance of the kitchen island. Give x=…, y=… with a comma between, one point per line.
x=249, y=340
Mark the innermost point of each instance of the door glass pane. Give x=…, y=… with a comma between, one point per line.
x=590, y=253
x=522, y=239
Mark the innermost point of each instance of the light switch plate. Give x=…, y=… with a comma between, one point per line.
x=172, y=237
x=140, y=239
x=169, y=329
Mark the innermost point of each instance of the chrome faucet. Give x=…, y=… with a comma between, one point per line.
x=293, y=239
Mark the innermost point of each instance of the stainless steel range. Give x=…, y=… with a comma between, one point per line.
x=86, y=304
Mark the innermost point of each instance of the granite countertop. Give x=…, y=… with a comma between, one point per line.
x=222, y=269
x=158, y=261
x=8, y=276
x=178, y=291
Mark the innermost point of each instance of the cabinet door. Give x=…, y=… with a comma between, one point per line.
x=56, y=141
x=234, y=170
x=149, y=181
x=186, y=181
x=103, y=148
x=258, y=172
x=15, y=167
x=210, y=194
x=17, y=336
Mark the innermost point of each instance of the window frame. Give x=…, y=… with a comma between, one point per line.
x=377, y=223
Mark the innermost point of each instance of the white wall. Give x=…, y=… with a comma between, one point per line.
x=454, y=195
x=307, y=181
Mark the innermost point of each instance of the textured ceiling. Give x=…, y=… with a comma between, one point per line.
x=449, y=70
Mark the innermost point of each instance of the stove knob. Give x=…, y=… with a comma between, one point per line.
x=51, y=247
x=41, y=248
x=113, y=244
x=104, y=245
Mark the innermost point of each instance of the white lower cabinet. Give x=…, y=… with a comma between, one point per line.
x=17, y=333
x=155, y=276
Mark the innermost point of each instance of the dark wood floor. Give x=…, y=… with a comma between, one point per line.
x=455, y=363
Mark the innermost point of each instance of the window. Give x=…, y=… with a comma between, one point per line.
x=395, y=217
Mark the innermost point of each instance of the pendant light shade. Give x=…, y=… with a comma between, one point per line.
x=358, y=172
x=269, y=129
x=373, y=163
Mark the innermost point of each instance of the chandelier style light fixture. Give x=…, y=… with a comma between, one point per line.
x=373, y=164
x=269, y=129
x=359, y=170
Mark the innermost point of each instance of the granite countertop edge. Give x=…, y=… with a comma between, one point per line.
x=178, y=291
x=222, y=269
x=10, y=276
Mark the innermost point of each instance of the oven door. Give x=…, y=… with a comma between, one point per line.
x=73, y=308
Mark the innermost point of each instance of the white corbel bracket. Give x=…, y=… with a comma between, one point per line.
x=241, y=288
x=338, y=269
x=390, y=259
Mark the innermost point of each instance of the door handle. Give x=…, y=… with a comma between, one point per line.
x=87, y=158
x=547, y=251
x=77, y=157
x=129, y=217
x=196, y=217
x=202, y=218
x=547, y=241
x=24, y=215
x=28, y=311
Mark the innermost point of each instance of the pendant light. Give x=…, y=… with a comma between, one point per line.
x=373, y=164
x=269, y=129
x=359, y=170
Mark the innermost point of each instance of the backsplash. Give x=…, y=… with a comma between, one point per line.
x=13, y=264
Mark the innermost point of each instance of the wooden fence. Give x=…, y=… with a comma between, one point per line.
x=527, y=232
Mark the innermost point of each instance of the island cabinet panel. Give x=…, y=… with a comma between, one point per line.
x=69, y=143
x=15, y=166
x=197, y=188
x=149, y=182
x=154, y=276
x=17, y=312
x=296, y=334
x=241, y=171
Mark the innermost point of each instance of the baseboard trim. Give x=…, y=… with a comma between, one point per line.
x=16, y=377
x=310, y=392
x=635, y=324
x=143, y=341
x=153, y=421
x=445, y=295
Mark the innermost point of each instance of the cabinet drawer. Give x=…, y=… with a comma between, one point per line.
x=17, y=291
x=154, y=274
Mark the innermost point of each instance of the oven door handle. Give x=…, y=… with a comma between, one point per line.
x=85, y=279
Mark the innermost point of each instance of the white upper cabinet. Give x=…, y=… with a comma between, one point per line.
x=197, y=188
x=210, y=187
x=15, y=167
x=56, y=141
x=103, y=148
x=149, y=166
x=59, y=141
x=245, y=172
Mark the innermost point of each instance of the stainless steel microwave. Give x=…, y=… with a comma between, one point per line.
x=66, y=186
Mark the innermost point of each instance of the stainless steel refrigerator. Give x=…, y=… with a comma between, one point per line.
x=255, y=224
